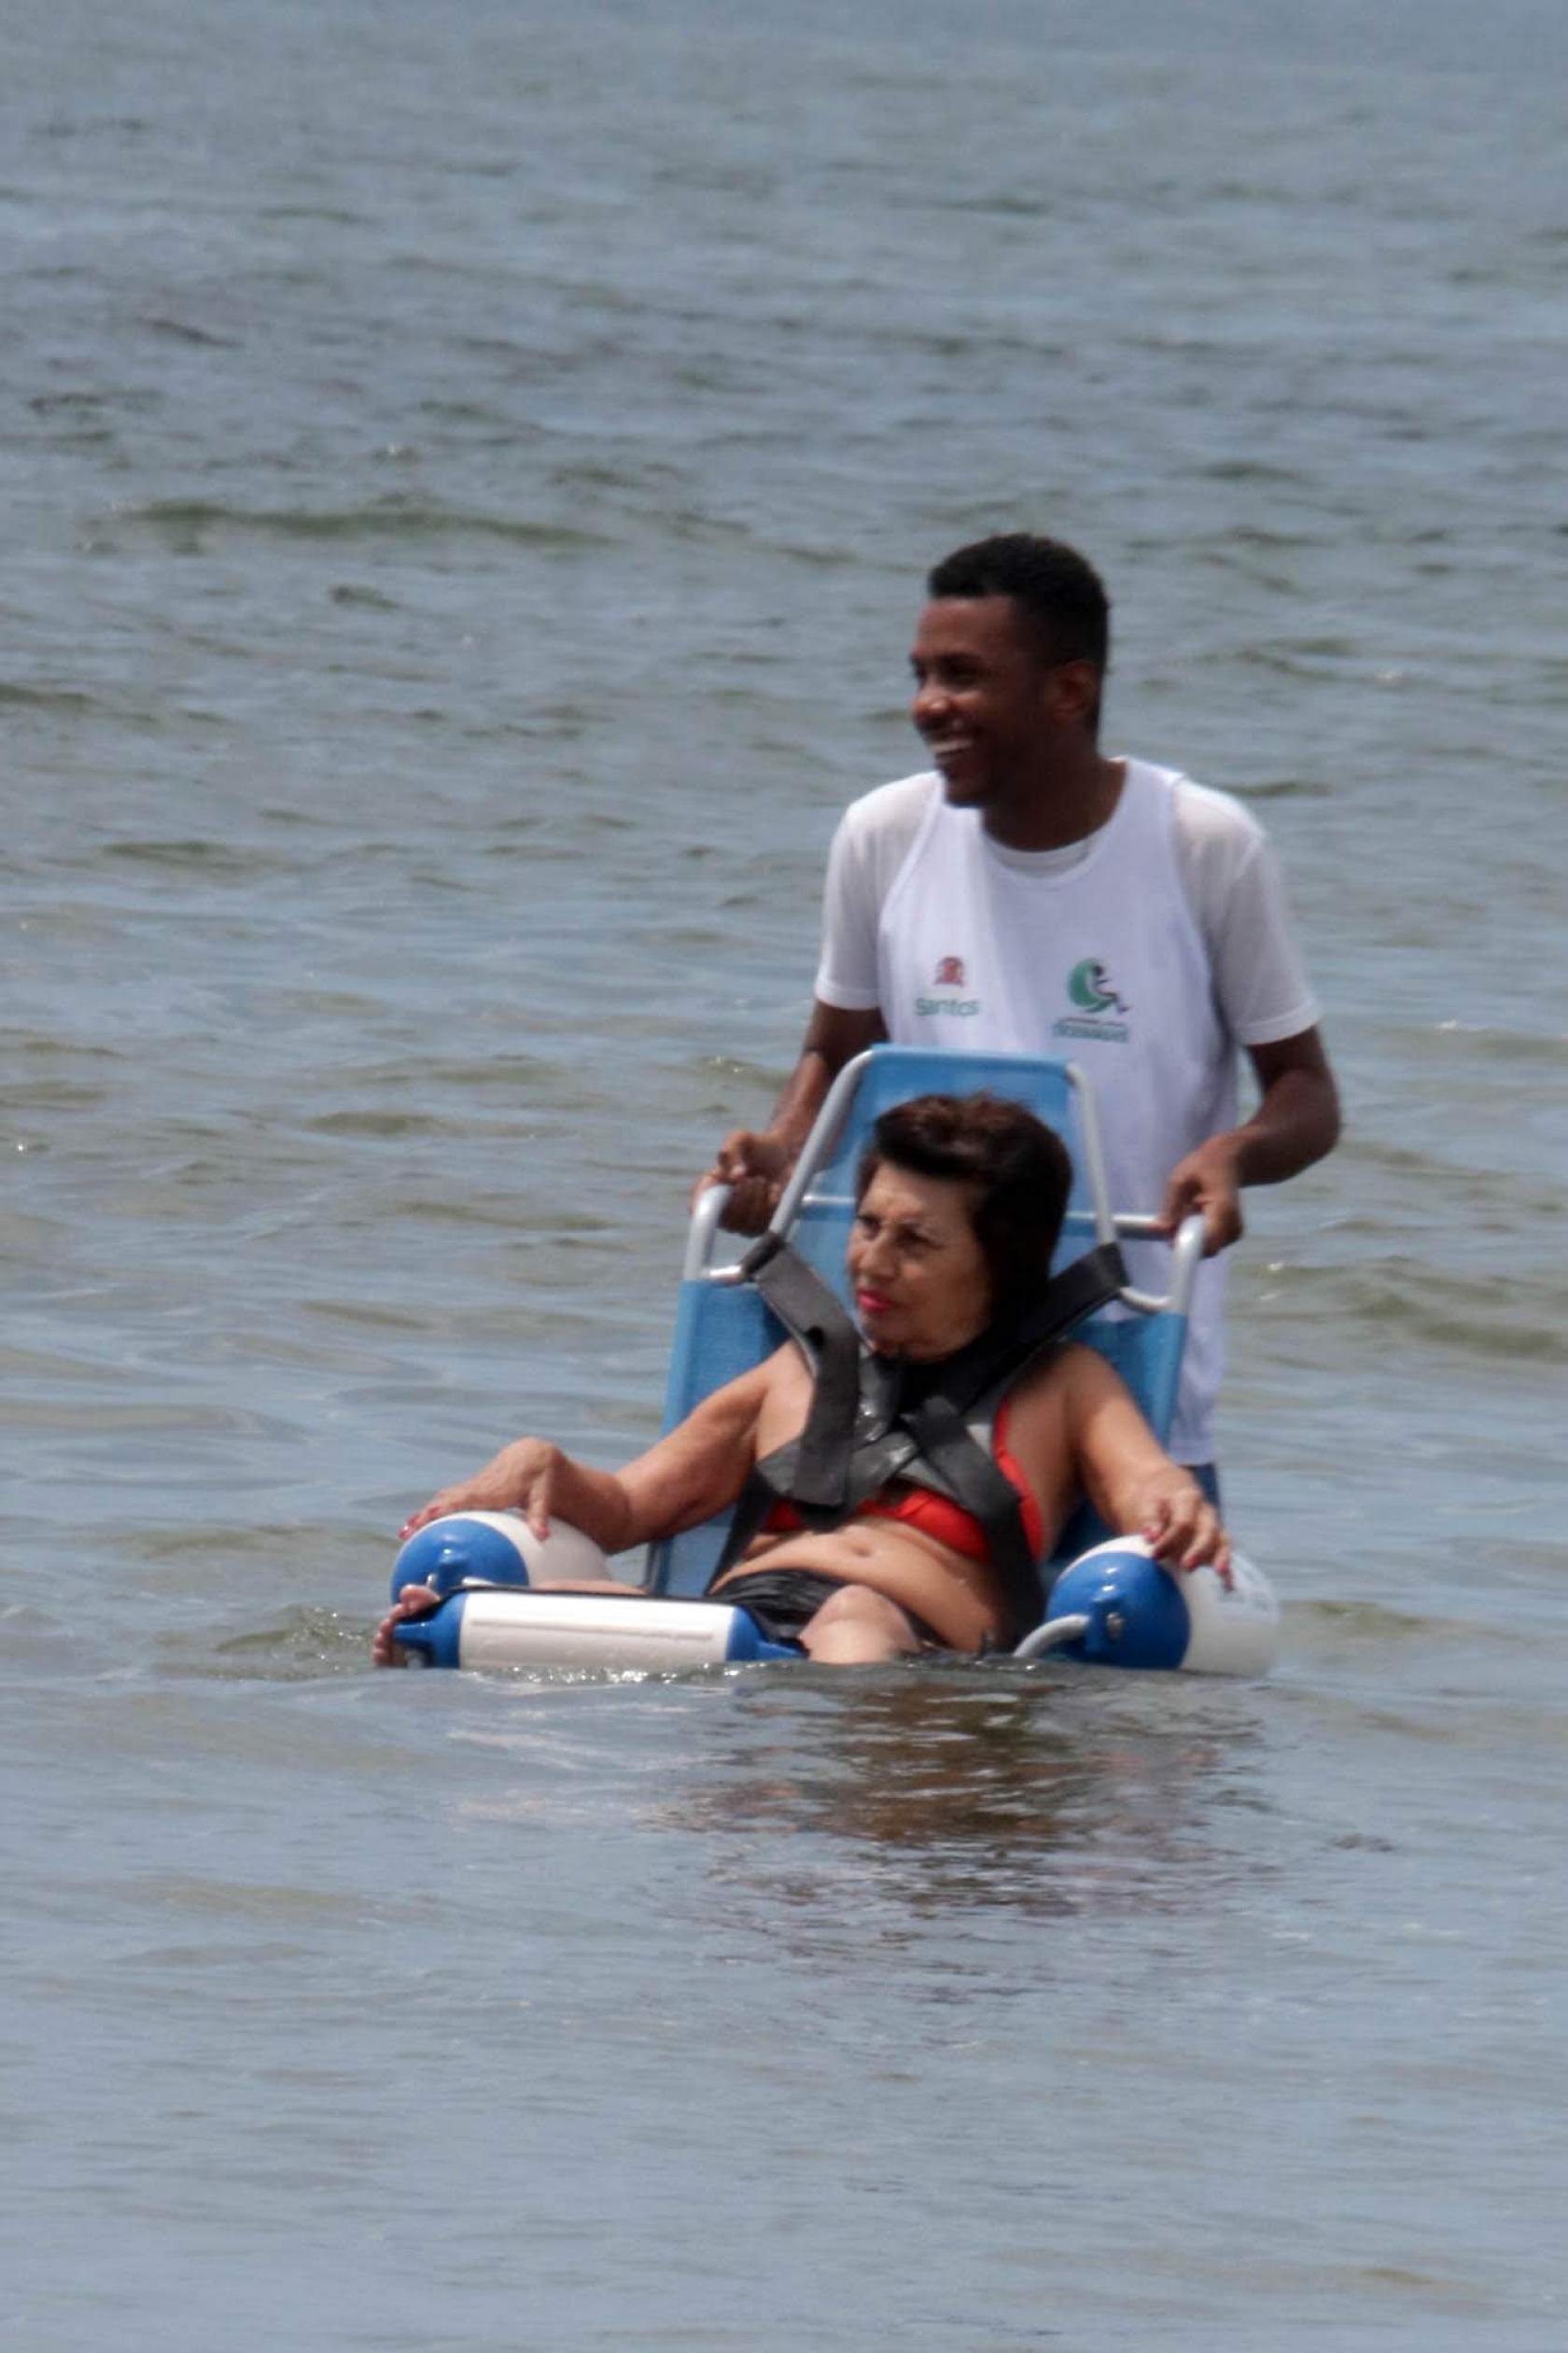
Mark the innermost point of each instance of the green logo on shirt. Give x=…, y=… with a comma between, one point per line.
x=1089, y=985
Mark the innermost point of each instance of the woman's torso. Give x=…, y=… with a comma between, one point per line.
x=961, y=1598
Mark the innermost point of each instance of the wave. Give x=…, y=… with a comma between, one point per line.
x=194, y=855
x=1284, y=789
x=65, y=702
x=188, y=522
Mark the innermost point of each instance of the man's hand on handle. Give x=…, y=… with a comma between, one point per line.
x=756, y=1163
x=755, y=1168
x=1296, y=1121
x=1206, y=1184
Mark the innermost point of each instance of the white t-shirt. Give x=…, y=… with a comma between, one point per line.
x=1226, y=865
x=1146, y=952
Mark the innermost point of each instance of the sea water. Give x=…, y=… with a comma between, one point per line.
x=467, y=475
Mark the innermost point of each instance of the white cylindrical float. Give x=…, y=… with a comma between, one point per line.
x=613, y=1633
x=1116, y=1606
x=481, y=1563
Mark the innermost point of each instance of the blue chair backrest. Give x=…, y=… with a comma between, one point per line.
x=892, y=1073
x=722, y=1329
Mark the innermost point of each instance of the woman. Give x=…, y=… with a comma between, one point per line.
x=958, y=1205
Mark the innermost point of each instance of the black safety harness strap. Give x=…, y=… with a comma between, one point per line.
x=945, y=1442
x=812, y=1316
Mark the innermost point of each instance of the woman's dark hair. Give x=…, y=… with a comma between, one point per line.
x=1019, y=1166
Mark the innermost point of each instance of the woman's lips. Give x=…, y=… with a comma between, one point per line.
x=873, y=1302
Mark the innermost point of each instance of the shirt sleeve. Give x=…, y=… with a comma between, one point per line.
x=1238, y=897
x=846, y=973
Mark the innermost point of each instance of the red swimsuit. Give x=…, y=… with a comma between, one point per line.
x=937, y=1514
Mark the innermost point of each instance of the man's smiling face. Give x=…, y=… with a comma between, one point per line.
x=985, y=698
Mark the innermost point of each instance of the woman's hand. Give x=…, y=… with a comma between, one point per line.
x=1183, y=1529
x=415, y=1601
x=523, y=1477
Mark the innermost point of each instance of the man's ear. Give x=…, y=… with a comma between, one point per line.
x=1072, y=692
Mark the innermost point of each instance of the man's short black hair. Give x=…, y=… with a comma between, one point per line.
x=1055, y=589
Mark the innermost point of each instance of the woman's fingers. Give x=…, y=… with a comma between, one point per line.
x=465, y=1496
x=540, y=1495
x=1216, y=1546
x=414, y=1601
x=505, y=1484
x=1158, y=1526
x=435, y=1509
x=1185, y=1531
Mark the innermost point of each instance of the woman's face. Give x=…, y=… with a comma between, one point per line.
x=920, y=1278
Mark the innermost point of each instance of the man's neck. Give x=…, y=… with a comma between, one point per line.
x=1052, y=811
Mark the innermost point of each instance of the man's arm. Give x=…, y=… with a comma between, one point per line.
x=756, y=1164
x=1295, y=1123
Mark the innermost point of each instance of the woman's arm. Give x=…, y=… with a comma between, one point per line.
x=1127, y=1474
x=542, y=1479
x=691, y=1473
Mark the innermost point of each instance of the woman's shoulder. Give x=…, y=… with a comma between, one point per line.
x=784, y=1375
x=785, y=1368
x=756, y=1386
x=783, y=1396
x=1063, y=1365
x=1070, y=1374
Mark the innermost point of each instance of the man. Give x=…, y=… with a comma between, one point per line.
x=1033, y=896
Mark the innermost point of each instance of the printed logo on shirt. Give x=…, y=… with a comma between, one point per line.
x=1090, y=988
x=1088, y=984
x=949, y=974
x=965, y=1008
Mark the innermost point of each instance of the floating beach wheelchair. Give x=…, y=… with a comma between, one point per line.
x=1102, y=1600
